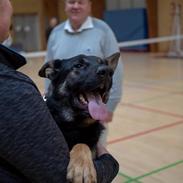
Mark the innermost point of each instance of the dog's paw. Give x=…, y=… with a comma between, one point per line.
x=81, y=168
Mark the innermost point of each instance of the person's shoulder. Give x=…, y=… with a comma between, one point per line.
x=98, y=23
x=15, y=86
x=57, y=31
x=59, y=27
x=15, y=79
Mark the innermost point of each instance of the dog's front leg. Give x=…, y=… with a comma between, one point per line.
x=81, y=168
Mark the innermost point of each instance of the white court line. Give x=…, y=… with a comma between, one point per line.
x=33, y=54
x=121, y=45
x=149, y=41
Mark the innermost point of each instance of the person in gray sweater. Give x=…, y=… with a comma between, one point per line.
x=32, y=147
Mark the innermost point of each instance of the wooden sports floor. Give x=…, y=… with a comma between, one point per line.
x=146, y=135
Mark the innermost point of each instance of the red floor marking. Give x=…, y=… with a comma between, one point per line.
x=178, y=93
x=151, y=110
x=145, y=132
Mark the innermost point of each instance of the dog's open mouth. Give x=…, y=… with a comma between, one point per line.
x=97, y=109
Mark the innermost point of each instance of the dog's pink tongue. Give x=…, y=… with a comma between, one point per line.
x=97, y=109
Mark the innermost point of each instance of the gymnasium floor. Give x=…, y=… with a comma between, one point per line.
x=146, y=135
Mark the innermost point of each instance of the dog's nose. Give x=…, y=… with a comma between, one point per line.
x=103, y=71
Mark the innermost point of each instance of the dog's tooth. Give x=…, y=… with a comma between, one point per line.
x=82, y=99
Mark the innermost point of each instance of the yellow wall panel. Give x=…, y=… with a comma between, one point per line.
x=165, y=20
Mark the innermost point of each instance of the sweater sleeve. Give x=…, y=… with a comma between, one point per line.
x=30, y=139
x=107, y=168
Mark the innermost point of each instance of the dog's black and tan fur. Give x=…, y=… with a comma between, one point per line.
x=73, y=80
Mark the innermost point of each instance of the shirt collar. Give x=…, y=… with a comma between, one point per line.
x=11, y=58
x=88, y=24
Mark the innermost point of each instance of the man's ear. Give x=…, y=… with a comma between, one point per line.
x=48, y=70
x=113, y=60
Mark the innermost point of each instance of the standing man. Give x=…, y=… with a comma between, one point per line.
x=83, y=34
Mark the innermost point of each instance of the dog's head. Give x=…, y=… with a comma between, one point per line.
x=83, y=82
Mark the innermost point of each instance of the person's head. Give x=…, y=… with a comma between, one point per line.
x=53, y=22
x=5, y=18
x=77, y=11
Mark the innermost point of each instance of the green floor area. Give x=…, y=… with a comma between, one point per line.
x=128, y=179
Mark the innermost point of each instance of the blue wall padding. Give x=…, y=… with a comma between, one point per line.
x=128, y=25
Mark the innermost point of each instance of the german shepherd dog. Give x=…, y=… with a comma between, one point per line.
x=76, y=98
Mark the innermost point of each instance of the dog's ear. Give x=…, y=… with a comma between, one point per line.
x=113, y=60
x=48, y=70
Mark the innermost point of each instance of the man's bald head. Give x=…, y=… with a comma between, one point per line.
x=5, y=18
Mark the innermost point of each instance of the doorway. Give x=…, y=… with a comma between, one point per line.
x=26, y=32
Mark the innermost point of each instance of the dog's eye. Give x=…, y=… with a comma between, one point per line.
x=79, y=65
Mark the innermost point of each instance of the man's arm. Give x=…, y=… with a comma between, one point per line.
x=106, y=166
